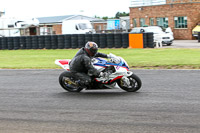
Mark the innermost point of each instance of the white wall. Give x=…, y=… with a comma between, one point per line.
x=136, y=3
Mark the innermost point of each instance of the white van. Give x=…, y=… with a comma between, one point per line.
x=77, y=27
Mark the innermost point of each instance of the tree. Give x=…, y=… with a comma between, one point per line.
x=117, y=16
x=105, y=18
x=121, y=14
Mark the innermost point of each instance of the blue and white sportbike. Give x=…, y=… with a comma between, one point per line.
x=114, y=73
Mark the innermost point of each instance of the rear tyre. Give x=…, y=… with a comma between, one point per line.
x=68, y=83
x=135, y=84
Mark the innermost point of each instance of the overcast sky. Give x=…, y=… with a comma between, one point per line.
x=43, y=8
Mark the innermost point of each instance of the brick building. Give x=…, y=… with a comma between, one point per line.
x=181, y=15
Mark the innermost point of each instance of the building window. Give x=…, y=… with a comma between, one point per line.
x=49, y=31
x=151, y=20
x=10, y=26
x=98, y=28
x=163, y=22
x=142, y=22
x=180, y=22
x=104, y=27
x=46, y=30
x=134, y=22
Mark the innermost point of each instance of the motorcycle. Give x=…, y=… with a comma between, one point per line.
x=114, y=73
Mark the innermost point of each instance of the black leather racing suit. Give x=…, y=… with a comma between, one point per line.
x=81, y=65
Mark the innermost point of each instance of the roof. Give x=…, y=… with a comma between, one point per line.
x=59, y=19
x=54, y=19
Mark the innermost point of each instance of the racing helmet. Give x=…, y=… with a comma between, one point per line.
x=91, y=48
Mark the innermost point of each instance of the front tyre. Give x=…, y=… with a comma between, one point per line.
x=67, y=82
x=134, y=83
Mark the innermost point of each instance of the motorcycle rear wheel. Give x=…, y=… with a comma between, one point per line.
x=135, y=83
x=68, y=83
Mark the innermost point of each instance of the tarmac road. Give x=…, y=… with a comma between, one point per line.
x=183, y=44
x=32, y=101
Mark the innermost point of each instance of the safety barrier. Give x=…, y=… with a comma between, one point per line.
x=67, y=41
x=141, y=40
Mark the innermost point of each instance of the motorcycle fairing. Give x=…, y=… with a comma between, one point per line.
x=121, y=70
x=106, y=81
x=64, y=63
x=104, y=63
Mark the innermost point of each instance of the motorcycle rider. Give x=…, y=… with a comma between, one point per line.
x=81, y=65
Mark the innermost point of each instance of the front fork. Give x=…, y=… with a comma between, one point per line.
x=125, y=81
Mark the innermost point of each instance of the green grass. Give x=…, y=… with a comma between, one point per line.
x=138, y=58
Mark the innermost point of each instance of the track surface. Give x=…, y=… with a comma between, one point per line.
x=32, y=101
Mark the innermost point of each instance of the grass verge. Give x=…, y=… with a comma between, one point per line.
x=136, y=58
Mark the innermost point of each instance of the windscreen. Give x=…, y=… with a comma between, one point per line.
x=154, y=30
x=84, y=26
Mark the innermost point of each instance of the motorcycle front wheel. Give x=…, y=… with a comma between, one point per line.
x=135, y=83
x=68, y=83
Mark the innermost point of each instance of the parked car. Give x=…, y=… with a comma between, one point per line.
x=159, y=35
x=196, y=30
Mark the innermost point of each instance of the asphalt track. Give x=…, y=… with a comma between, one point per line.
x=32, y=101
